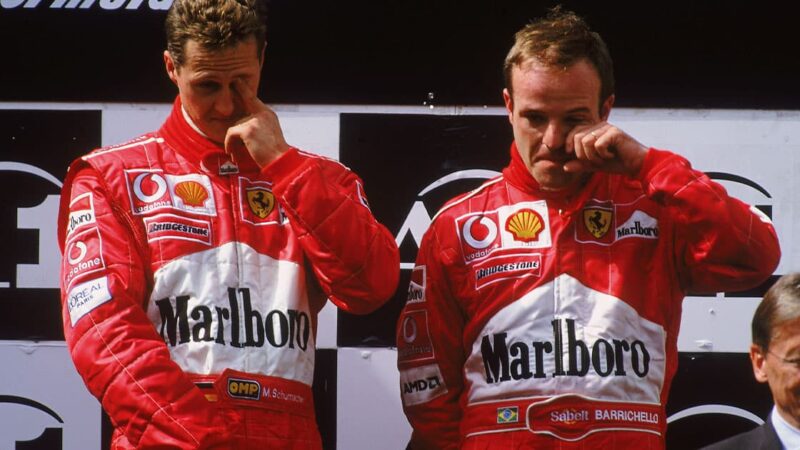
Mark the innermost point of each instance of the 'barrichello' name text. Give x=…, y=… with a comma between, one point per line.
x=615, y=357
x=277, y=328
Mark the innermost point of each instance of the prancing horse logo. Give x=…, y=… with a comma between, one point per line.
x=261, y=201
x=597, y=221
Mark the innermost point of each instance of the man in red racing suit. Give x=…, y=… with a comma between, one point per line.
x=544, y=308
x=192, y=275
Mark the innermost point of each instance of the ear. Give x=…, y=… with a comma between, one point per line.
x=759, y=359
x=172, y=68
x=605, y=109
x=509, y=102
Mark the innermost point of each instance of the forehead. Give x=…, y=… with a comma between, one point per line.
x=241, y=56
x=786, y=334
x=577, y=83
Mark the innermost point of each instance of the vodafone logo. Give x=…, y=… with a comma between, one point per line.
x=489, y=232
x=157, y=193
x=479, y=233
x=409, y=330
x=81, y=252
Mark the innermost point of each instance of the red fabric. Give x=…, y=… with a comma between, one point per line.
x=178, y=266
x=523, y=295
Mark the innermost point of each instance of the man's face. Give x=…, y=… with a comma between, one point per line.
x=547, y=104
x=206, y=83
x=783, y=377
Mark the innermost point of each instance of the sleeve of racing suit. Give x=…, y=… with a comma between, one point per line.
x=354, y=258
x=115, y=348
x=430, y=356
x=722, y=244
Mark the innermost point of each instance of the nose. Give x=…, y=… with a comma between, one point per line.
x=224, y=103
x=554, y=136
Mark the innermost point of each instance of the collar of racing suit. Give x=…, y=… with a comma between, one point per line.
x=567, y=201
x=195, y=146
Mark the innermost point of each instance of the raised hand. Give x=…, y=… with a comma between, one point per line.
x=604, y=147
x=259, y=132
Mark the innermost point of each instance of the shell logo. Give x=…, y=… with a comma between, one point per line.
x=525, y=225
x=192, y=193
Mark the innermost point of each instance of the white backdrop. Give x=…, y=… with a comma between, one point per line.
x=762, y=146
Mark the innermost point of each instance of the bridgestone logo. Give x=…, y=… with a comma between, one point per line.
x=174, y=226
x=524, y=360
x=130, y=5
x=508, y=267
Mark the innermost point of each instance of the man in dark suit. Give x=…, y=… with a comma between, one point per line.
x=775, y=354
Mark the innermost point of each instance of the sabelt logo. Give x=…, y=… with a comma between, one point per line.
x=277, y=328
x=415, y=340
x=248, y=389
x=479, y=234
x=416, y=287
x=523, y=360
x=569, y=416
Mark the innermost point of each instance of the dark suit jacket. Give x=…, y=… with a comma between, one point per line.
x=761, y=438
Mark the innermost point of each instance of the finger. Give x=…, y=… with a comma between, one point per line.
x=576, y=166
x=252, y=104
x=233, y=141
x=589, y=144
x=603, y=143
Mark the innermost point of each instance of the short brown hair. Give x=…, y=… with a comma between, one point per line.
x=214, y=24
x=559, y=40
x=781, y=303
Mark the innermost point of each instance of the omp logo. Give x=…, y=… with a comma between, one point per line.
x=131, y=5
x=36, y=426
x=42, y=218
x=419, y=218
x=248, y=389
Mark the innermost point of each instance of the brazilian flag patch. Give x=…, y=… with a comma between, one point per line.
x=508, y=414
